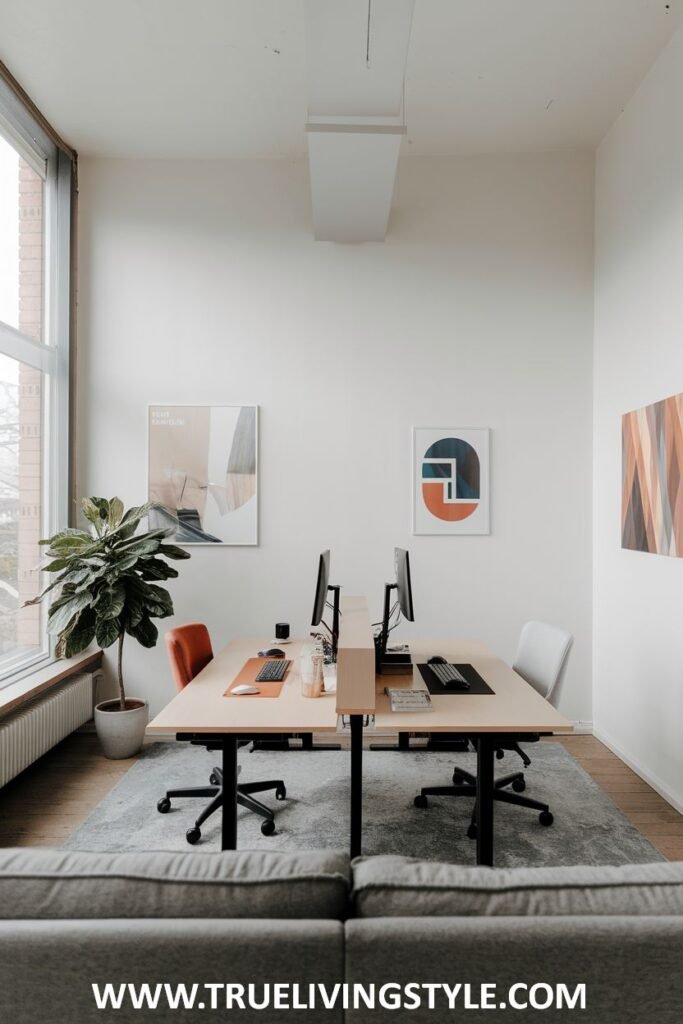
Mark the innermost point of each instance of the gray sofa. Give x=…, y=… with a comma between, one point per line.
x=70, y=920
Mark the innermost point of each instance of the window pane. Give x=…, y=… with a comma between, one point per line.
x=21, y=458
x=21, y=243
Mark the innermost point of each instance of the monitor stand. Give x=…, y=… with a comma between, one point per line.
x=390, y=663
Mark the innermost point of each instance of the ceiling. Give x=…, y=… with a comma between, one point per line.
x=227, y=78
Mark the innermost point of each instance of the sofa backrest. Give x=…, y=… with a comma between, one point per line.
x=406, y=887
x=48, y=884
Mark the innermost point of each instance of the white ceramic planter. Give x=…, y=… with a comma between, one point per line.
x=121, y=732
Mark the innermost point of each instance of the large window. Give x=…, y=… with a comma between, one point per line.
x=35, y=218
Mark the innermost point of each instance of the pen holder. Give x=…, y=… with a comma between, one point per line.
x=312, y=675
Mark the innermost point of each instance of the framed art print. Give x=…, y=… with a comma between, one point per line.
x=203, y=472
x=450, y=480
x=652, y=478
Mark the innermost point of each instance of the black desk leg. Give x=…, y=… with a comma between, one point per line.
x=229, y=809
x=485, y=750
x=356, y=784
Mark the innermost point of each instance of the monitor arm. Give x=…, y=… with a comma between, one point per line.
x=384, y=633
x=335, y=591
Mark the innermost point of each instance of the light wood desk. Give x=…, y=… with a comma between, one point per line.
x=201, y=710
x=513, y=707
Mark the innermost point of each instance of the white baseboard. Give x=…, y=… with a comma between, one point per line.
x=652, y=780
x=581, y=728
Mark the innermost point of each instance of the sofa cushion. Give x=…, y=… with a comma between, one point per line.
x=39, y=883
x=406, y=887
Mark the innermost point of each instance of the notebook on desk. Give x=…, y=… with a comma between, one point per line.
x=247, y=676
x=408, y=700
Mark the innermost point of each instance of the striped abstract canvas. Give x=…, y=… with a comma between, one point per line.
x=652, y=478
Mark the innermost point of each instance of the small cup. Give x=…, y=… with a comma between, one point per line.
x=282, y=631
x=311, y=668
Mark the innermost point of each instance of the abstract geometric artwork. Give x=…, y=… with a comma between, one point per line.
x=203, y=472
x=652, y=478
x=450, y=481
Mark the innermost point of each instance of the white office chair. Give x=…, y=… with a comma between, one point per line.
x=541, y=659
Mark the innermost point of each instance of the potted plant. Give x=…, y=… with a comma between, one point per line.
x=106, y=589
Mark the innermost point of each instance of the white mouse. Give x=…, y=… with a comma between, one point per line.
x=245, y=688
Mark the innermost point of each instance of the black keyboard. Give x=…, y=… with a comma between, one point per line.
x=273, y=671
x=449, y=674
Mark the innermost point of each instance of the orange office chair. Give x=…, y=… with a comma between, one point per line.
x=189, y=650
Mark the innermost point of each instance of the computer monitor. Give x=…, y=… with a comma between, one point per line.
x=404, y=586
x=322, y=589
x=389, y=661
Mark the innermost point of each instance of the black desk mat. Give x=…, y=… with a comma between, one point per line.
x=477, y=684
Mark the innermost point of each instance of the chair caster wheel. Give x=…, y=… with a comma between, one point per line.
x=214, y=780
x=519, y=785
x=268, y=827
x=472, y=832
x=281, y=793
x=500, y=754
x=193, y=835
x=164, y=805
x=546, y=818
x=421, y=801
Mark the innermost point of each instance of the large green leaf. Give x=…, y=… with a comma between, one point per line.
x=115, y=512
x=156, y=569
x=130, y=542
x=70, y=541
x=94, y=548
x=81, y=635
x=120, y=565
x=58, y=564
x=110, y=601
x=130, y=522
x=77, y=576
x=173, y=551
x=63, y=611
x=136, y=513
x=91, y=511
x=135, y=605
x=145, y=632
x=160, y=599
x=107, y=632
x=140, y=546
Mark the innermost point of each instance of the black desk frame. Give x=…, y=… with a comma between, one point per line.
x=486, y=746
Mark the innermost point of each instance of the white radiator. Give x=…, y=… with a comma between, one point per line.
x=29, y=732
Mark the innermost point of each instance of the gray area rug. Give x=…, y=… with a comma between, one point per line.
x=588, y=828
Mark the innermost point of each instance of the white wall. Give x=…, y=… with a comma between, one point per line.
x=200, y=282
x=638, y=666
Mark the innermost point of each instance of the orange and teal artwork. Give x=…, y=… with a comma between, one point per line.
x=451, y=480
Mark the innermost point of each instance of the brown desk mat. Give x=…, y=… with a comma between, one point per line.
x=247, y=676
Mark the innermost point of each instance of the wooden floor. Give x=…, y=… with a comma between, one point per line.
x=51, y=798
